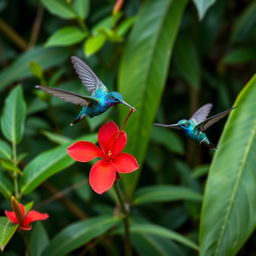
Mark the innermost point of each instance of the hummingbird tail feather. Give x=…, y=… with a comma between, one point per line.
x=78, y=119
x=211, y=146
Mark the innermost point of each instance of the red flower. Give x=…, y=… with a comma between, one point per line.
x=103, y=173
x=19, y=215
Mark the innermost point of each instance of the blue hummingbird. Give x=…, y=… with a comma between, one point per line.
x=99, y=101
x=195, y=126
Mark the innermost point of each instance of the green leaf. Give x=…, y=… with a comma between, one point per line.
x=78, y=234
x=146, y=60
x=10, y=167
x=202, y=6
x=47, y=164
x=36, y=69
x=13, y=117
x=59, y=8
x=187, y=61
x=167, y=138
x=240, y=55
x=56, y=138
x=7, y=230
x=155, y=246
x=94, y=44
x=152, y=229
x=19, y=69
x=65, y=36
x=6, y=187
x=125, y=26
x=165, y=193
x=245, y=24
x=38, y=240
x=228, y=212
x=5, y=151
x=81, y=7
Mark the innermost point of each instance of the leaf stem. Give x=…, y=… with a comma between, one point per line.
x=15, y=175
x=127, y=242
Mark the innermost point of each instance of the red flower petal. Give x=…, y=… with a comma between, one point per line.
x=22, y=209
x=102, y=176
x=125, y=163
x=25, y=228
x=117, y=143
x=106, y=132
x=11, y=216
x=84, y=151
x=34, y=216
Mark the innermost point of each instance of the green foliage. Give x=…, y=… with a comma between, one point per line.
x=13, y=117
x=166, y=62
x=78, y=234
x=146, y=60
x=164, y=193
x=19, y=69
x=66, y=36
x=146, y=228
x=228, y=212
x=7, y=230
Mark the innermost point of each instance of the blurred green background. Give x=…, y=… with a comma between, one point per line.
x=167, y=58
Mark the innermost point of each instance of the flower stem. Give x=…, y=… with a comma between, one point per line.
x=127, y=242
x=126, y=119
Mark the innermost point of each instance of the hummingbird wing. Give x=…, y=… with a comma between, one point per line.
x=173, y=126
x=69, y=96
x=201, y=114
x=213, y=119
x=86, y=75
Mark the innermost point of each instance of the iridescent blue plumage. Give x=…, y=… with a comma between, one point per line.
x=194, y=127
x=99, y=101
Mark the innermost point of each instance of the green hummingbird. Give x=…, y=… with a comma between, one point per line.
x=99, y=101
x=195, y=126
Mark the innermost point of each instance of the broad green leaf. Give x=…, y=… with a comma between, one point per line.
x=187, y=61
x=5, y=151
x=165, y=193
x=38, y=239
x=167, y=138
x=19, y=69
x=7, y=230
x=78, y=234
x=60, y=8
x=47, y=164
x=155, y=246
x=81, y=7
x=202, y=6
x=143, y=71
x=13, y=116
x=152, y=229
x=229, y=204
x=6, y=187
x=65, y=36
x=240, y=55
x=56, y=138
x=94, y=44
x=245, y=24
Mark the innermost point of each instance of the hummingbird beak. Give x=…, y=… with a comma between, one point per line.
x=174, y=126
x=126, y=104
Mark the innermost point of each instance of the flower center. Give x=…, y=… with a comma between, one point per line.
x=109, y=154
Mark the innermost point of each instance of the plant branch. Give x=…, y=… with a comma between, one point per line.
x=12, y=35
x=36, y=25
x=127, y=242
